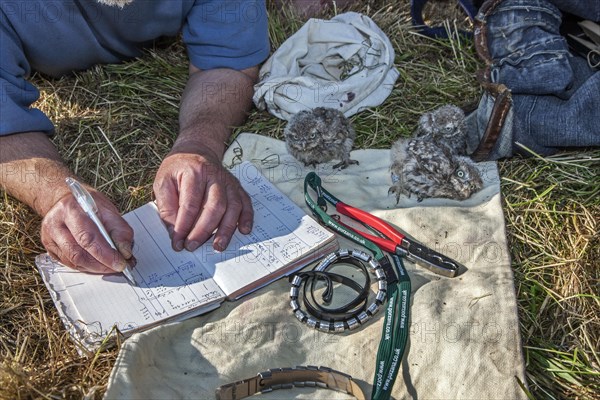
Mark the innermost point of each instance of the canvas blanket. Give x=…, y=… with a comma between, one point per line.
x=464, y=340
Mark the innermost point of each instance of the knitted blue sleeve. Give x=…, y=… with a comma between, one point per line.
x=16, y=93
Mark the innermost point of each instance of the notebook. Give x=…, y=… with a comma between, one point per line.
x=172, y=286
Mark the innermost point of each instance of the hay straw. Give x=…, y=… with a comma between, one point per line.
x=115, y=124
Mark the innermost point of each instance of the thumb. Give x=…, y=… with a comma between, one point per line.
x=124, y=247
x=120, y=232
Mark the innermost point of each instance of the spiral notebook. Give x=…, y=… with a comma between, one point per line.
x=172, y=285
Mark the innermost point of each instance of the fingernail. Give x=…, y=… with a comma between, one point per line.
x=247, y=228
x=192, y=245
x=132, y=262
x=179, y=245
x=219, y=244
x=126, y=250
x=119, y=266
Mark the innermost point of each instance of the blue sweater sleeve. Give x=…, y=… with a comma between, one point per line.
x=16, y=93
x=217, y=33
x=227, y=34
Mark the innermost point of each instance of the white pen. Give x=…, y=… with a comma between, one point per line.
x=87, y=203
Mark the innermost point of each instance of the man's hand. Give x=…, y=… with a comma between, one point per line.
x=197, y=196
x=71, y=237
x=32, y=171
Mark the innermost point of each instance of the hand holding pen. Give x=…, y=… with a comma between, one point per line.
x=88, y=205
x=86, y=234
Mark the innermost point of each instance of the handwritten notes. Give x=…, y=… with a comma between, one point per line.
x=176, y=285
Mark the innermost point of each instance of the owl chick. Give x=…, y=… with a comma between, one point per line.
x=320, y=135
x=445, y=125
x=427, y=169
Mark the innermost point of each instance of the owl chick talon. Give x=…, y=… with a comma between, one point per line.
x=397, y=190
x=344, y=164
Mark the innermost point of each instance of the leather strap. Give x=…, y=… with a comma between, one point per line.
x=480, y=29
x=288, y=378
x=500, y=93
x=502, y=103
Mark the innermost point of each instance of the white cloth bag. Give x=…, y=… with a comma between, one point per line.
x=345, y=63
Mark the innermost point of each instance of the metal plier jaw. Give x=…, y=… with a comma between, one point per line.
x=428, y=258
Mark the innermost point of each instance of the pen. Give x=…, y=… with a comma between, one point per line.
x=87, y=203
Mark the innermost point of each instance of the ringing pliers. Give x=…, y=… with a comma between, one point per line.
x=389, y=238
x=395, y=242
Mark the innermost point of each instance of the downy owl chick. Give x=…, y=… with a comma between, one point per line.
x=426, y=169
x=320, y=135
x=445, y=125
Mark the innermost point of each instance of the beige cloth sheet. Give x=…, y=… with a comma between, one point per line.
x=464, y=341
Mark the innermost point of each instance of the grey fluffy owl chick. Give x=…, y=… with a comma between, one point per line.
x=426, y=169
x=445, y=125
x=320, y=135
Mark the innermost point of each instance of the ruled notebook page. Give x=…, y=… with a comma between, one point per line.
x=174, y=285
x=168, y=284
x=283, y=236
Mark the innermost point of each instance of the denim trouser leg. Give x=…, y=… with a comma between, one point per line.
x=556, y=96
x=548, y=122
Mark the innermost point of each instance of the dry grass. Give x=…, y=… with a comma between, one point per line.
x=115, y=124
x=552, y=209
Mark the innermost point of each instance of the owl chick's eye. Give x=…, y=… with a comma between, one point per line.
x=449, y=129
x=460, y=173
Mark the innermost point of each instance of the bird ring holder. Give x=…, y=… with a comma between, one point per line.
x=393, y=285
x=349, y=315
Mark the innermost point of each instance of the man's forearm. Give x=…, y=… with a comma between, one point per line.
x=195, y=195
x=32, y=170
x=213, y=102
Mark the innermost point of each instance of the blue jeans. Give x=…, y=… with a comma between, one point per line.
x=555, y=95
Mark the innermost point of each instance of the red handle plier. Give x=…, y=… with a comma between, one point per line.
x=397, y=243
x=391, y=240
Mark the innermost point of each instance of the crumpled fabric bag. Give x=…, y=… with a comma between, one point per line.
x=346, y=63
